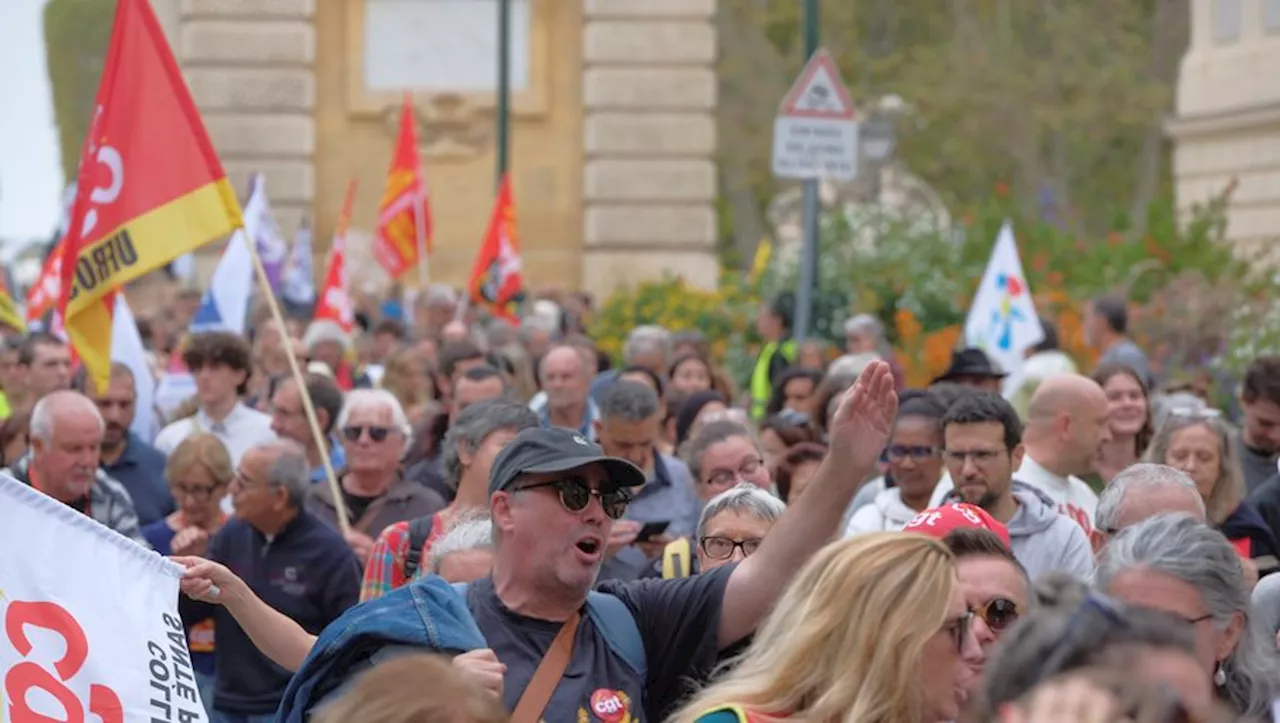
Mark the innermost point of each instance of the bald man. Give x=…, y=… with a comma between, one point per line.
x=1066, y=425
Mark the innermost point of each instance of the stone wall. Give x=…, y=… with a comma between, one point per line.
x=249, y=64
x=649, y=137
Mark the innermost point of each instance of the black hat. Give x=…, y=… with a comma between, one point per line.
x=970, y=362
x=539, y=450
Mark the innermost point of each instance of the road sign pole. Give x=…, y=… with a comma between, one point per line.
x=503, y=114
x=809, y=250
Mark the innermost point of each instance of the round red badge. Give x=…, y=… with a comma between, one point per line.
x=609, y=706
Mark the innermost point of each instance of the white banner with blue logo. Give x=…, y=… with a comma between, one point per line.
x=1002, y=319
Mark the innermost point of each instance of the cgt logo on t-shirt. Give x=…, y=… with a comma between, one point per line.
x=608, y=706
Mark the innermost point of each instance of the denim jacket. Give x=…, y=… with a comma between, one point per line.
x=428, y=614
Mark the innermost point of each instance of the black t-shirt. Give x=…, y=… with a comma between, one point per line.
x=678, y=621
x=357, y=505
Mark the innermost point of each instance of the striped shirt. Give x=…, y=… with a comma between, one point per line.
x=109, y=502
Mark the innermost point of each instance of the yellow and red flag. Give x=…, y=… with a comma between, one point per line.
x=497, y=282
x=44, y=294
x=10, y=316
x=150, y=186
x=334, y=302
x=404, y=214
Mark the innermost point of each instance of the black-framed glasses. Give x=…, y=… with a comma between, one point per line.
x=959, y=628
x=899, y=452
x=576, y=493
x=376, y=433
x=998, y=613
x=727, y=477
x=721, y=548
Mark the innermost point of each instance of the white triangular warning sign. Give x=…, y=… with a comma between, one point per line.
x=819, y=92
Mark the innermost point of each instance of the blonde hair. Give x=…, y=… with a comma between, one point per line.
x=1230, y=489
x=200, y=450
x=417, y=688
x=846, y=640
x=399, y=378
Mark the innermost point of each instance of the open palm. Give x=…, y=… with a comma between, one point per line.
x=860, y=428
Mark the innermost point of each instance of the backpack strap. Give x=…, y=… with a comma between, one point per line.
x=677, y=559
x=614, y=620
x=419, y=531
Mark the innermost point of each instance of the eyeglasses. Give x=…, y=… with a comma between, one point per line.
x=726, y=477
x=198, y=493
x=377, y=434
x=958, y=629
x=899, y=452
x=979, y=456
x=576, y=493
x=998, y=613
x=721, y=548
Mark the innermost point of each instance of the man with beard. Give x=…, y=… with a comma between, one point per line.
x=125, y=457
x=982, y=446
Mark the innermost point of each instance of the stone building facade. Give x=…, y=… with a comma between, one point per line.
x=1227, y=125
x=612, y=130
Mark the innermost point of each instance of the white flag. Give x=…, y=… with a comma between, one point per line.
x=127, y=348
x=91, y=628
x=1002, y=320
x=298, y=283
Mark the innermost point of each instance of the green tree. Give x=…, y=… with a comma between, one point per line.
x=76, y=36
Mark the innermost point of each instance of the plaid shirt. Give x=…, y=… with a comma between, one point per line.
x=109, y=501
x=384, y=571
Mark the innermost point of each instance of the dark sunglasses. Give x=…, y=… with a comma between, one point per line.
x=576, y=493
x=377, y=434
x=998, y=613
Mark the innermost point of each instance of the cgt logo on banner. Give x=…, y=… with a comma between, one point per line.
x=90, y=628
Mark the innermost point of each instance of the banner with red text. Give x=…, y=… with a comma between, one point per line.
x=89, y=626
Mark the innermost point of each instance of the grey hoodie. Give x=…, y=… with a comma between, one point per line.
x=1043, y=540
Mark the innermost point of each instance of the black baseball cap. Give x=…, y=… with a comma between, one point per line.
x=540, y=450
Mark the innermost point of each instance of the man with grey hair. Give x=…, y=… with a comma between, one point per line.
x=1140, y=491
x=66, y=442
x=647, y=346
x=628, y=428
x=465, y=552
x=536, y=334
x=289, y=558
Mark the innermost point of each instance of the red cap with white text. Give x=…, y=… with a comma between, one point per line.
x=940, y=521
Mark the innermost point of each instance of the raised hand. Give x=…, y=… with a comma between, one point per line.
x=860, y=427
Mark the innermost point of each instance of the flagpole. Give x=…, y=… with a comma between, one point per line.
x=260, y=271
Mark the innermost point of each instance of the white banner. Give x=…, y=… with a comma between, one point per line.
x=90, y=627
x=1002, y=319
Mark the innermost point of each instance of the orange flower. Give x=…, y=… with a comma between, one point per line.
x=1002, y=189
x=908, y=326
x=1114, y=239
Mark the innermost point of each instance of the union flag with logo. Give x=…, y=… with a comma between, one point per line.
x=150, y=187
x=403, y=235
x=334, y=303
x=497, y=279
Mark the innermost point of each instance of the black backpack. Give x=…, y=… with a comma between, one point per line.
x=419, y=531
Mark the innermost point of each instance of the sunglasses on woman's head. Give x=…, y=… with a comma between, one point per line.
x=377, y=434
x=576, y=493
x=998, y=613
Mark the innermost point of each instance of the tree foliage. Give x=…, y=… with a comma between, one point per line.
x=1062, y=99
x=76, y=36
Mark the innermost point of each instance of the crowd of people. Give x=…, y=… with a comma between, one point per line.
x=521, y=528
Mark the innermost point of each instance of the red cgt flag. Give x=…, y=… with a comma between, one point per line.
x=404, y=214
x=334, y=302
x=150, y=187
x=497, y=283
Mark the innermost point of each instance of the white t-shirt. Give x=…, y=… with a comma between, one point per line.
x=1074, y=497
x=243, y=428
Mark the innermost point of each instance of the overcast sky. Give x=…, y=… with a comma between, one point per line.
x=30, y=177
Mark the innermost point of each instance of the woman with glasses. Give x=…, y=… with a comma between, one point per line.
x=873, y=628
x=915, y=462
x=198, y=471
x=1176, y=565
x=1199, y=443
x=731, y=527
x=1128, y=417
x=723, y=454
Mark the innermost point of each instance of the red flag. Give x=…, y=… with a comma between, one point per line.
x=46, y=293
x=334, y=303
x=496, y=280
x=150, y=187
x=404, y=214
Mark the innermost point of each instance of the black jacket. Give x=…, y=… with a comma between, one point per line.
x=307, y=572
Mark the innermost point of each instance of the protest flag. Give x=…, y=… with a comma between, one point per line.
x=1002, y=319
x=334, y=303
x=497, y=282
x=403, y=235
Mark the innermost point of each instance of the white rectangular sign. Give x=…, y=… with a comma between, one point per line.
x=815, y=148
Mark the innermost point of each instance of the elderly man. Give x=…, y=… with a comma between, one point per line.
x=647, y=346
x=1066, y=425
x=566, y=382
x=480, y=432
x=125, y=457
x=554, y=497
x=375, y=434
x=289, y=420
x=1140, y=491
x=292, y=561
x=66, y=445
x=628, y=428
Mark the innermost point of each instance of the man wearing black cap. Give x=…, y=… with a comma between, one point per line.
x=553, y=499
